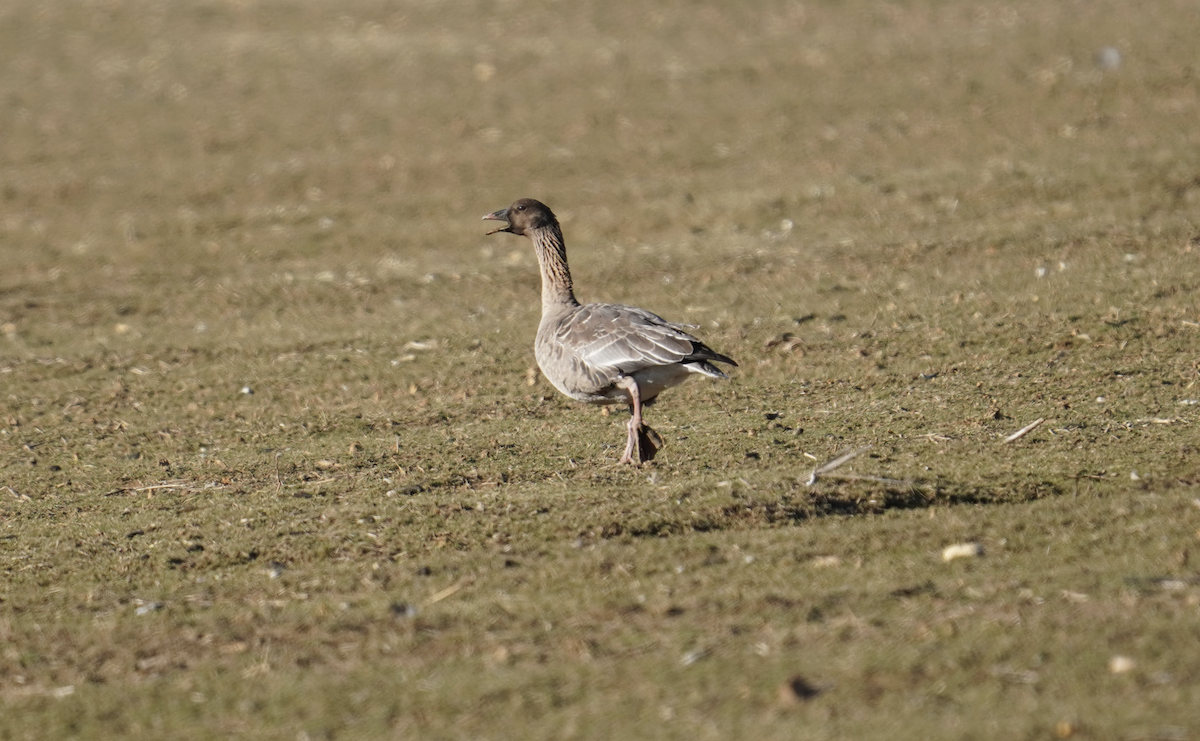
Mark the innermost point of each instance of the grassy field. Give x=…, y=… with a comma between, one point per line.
x=275, y=461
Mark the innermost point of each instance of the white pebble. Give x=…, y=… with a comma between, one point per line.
x=1121, y=664
x=962, y=550
x=691, y=657
x=1108, y=58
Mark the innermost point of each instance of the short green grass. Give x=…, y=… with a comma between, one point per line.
x=274, y=461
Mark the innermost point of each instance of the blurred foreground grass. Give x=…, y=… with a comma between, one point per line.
x=274, y=463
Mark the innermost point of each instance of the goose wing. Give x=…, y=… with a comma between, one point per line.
x=615, y=339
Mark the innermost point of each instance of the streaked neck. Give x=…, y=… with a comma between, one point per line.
x=552, y=259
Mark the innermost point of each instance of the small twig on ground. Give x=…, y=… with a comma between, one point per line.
x=448, y=591
x=1024, y=430
x=169, y=485
x=875, y=479
x=20, y=497
x=837, y=462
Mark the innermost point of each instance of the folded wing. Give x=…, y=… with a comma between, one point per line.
x=622, y=340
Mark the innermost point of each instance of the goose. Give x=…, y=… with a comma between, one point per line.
x=604, y=353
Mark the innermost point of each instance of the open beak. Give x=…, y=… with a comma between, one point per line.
x=501, y=215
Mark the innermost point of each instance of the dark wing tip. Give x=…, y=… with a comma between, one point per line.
x=701, y=351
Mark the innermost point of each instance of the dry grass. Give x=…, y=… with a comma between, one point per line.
x=919, y=228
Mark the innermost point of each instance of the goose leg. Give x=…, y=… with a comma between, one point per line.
x=635, y=418
x=643, y=439
x=630, y=444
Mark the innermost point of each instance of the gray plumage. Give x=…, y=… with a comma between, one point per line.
x=604, y=353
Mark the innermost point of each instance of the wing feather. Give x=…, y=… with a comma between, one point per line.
x=615, y=339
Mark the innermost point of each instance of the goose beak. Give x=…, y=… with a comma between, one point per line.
x=501, y=215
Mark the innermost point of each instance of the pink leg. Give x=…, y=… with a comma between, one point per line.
x=635, y=419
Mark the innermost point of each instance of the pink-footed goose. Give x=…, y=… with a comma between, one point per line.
x=603, y=353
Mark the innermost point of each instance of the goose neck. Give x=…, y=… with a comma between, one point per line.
x=552, y=260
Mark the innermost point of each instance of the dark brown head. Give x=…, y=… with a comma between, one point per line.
x=523, y=216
